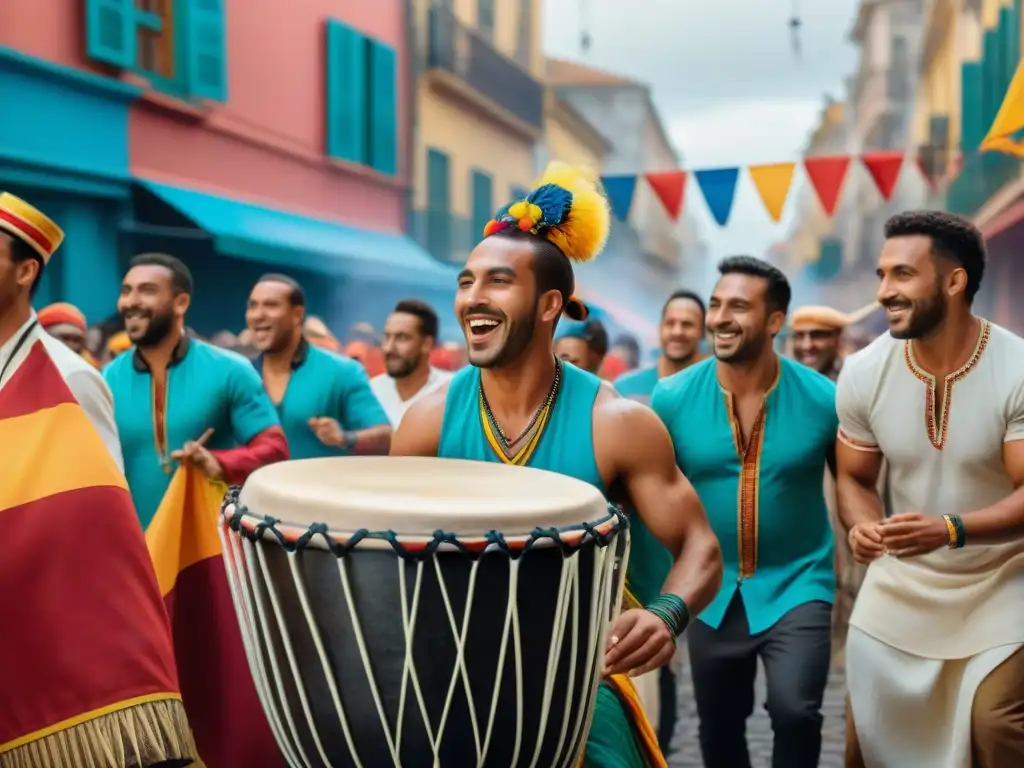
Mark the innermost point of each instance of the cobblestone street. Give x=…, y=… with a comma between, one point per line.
x=686, y=752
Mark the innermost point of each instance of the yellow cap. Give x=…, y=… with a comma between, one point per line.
x=808, y=318
x=30, y=225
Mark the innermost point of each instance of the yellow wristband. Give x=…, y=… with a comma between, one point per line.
x=953, y=538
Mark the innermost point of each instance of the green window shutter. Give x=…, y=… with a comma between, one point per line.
x=383, y=108
x=483, y=203
x=971, y=107
x=346, y=93
x=439, y=234
x=110, y=31
x=207, y=50
x=485, y=18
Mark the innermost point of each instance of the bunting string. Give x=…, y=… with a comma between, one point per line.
x=827, y=175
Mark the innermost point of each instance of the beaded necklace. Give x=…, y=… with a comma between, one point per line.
x=500, y=442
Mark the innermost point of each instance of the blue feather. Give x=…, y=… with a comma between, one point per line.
x=554, y=201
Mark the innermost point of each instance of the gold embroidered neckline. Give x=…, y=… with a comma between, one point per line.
x=937, y=409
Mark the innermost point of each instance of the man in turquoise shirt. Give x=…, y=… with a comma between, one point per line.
x=753, y=432
x=170, y=390
x=680, y=332
x=324, y=400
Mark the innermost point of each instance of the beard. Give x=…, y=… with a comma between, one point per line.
x=517, y=338
x=923, y=316
x=157, y=329
x=400, y=367
x=749, y=348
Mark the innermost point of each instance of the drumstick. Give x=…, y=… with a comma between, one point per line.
x=204, y=438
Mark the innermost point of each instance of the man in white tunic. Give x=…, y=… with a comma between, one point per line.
x=934, y=662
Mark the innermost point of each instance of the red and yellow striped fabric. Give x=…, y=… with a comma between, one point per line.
x=230, y=727
x=86, y=634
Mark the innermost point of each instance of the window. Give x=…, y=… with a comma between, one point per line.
x=524, y=36
x=362, y=99
x=180, y=45
x=439, y=220
x=483, y=203
x=485, y=18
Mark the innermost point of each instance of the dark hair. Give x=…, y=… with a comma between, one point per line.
x=952, y=238
x=684, y=293
x=596, y=336
x=778, y=292
x=627, y=341
x=22, y=251
x=296, y=295
x=552, y=270
x=420, y=309
x=181, y=277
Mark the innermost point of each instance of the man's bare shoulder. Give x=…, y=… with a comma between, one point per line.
x=622, y=417
x=419, y=433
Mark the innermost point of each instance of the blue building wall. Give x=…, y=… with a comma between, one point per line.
x=64, y=149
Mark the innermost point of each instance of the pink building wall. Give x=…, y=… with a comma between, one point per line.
x=266, y=144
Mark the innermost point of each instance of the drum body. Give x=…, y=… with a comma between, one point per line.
x=387, y=623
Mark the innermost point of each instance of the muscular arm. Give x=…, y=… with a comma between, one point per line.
x=1004, y=520
x=666, y=501
x=419, y=434
x=857, y=471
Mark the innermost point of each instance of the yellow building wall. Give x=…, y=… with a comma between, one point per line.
x=564, y=145
x=939, y=86
x=506, y=26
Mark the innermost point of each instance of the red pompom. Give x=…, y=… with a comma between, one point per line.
x=526, y=224
x=491, y=227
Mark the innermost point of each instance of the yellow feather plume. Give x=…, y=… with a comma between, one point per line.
x=584, y=232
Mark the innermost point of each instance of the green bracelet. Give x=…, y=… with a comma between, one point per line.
x=673, y=611
x=961, y=531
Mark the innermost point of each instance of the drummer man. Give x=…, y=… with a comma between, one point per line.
x=519, y=404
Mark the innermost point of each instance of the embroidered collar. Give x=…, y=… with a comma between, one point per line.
x=177, y=355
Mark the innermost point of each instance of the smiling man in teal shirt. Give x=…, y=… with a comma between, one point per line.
x=170, y=389
x=753, y=432
x=323, y=399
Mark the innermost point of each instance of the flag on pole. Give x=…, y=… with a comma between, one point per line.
x=229, y=723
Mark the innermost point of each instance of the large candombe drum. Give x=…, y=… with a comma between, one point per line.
x=424, y=612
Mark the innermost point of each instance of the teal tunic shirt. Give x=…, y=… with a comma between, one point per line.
x=638, y=384
x=325, y=384
x=207, y=387
x=776, y=539
x=565, y=447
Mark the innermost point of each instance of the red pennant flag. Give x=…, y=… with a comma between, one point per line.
x=884, y=168
x=827, y=174
x=924, y=162
x=670, y=187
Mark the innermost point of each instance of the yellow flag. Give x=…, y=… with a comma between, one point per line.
x=773, y=182
x=1009, y=120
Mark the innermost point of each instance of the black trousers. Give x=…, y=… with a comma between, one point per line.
x=796, y=655
x=667, y=712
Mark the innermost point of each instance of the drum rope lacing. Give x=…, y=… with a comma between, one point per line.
x=286, y=732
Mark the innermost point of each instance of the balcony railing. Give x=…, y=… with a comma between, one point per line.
x=980, y=178
x=459, y=50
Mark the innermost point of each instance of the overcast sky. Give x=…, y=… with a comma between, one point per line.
x=726, y=81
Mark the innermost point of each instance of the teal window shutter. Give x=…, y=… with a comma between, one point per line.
x=485, y=18
x=439, y=219
x=110, y=31
x=483, y=203
x=346, y=93
x=383, y=108
x=207, y=50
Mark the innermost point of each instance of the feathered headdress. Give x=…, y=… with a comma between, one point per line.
x=567, y=208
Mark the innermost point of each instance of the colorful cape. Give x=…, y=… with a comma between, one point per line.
x=88, y=674
x=231, y=729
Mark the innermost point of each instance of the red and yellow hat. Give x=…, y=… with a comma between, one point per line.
x=62, y=313
x=30, y=225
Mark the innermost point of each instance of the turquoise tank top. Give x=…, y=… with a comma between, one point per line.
x=566, y=446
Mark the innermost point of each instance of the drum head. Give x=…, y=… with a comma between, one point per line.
x=417, y=496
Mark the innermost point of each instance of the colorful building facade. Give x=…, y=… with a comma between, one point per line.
x=244, y=140
x=479, y=115
x=971, y=52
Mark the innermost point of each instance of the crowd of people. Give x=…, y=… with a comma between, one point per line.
x=743, y=504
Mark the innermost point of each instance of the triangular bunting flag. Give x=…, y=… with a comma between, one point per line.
x=773, y=182
x=670, y=187
x=884, y=168
x=827, y=175
x=925, y=164
x=1009, y=120
x=718, y=185
x=620, y=190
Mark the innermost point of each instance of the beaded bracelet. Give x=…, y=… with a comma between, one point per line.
x=673, y=611
x=957, y=531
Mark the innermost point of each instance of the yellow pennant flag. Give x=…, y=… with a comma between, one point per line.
x=773, y=182
x=1009, y=120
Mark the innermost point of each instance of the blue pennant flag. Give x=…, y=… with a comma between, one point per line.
x=620, y=190
x=719, y=188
